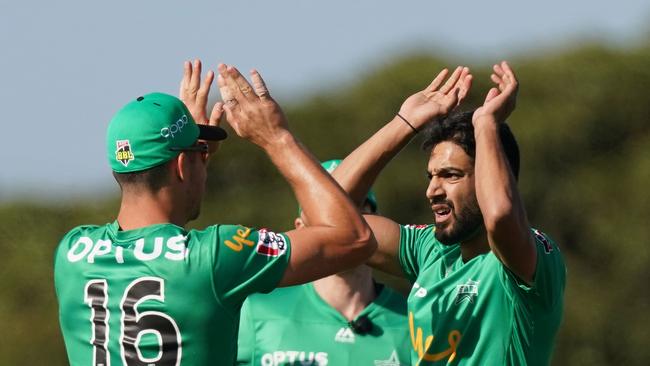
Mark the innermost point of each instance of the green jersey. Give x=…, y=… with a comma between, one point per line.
x=479, y=313
x=161, y=295
x=295, y=326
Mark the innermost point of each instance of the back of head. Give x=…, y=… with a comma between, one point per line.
x=457, y=127
x=147, y=133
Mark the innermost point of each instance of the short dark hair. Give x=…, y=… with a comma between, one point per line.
x=457, y=127
x=152, y=179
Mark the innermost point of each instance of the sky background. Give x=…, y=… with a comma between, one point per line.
x=68, y=66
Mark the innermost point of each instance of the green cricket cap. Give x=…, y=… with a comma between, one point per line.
x=151, y=130
x=330, y=165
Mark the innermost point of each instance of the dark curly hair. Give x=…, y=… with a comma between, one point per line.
x=457, y=127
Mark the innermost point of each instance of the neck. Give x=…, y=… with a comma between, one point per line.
x=348, y=292
x=475, y=245
x=141, y=209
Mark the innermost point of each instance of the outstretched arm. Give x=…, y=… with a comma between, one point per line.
x=338, y=238
x=360, y=169
x=503, y=212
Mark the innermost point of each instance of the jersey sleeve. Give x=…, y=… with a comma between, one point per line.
x=246, y=338
x=248, y=261
x=549, y=280
x=416, y=244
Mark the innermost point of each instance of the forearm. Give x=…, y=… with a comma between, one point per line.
x=323, y=202
x=359, y=170
x=503, y=211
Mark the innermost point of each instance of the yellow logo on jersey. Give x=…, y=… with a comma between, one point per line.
x=240, y=240
x=416, y=340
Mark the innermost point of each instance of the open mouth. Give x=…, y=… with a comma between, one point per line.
x=441, y=213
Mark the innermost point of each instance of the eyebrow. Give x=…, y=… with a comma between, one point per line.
x=446, y=170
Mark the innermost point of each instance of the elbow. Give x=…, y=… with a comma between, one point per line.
x=498, y=216
x=366, y=244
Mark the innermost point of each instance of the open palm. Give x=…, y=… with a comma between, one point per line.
x=437, y=99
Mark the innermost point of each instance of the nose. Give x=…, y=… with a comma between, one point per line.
x=435, y=190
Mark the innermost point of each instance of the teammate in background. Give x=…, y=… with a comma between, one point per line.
x=145, y=291
x=343, y=319
x=487, y=289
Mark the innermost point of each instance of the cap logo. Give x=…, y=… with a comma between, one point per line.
x=123, y=153
x=174, y=128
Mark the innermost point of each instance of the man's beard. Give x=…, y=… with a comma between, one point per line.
x=465, y=224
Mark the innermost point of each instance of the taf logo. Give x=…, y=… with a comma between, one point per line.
x=123, y=153
x=270, y=244
x=466, y=291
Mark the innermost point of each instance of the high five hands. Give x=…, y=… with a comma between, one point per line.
x=250, y=110
x=447, y=92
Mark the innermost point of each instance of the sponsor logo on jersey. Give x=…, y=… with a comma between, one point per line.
x=420, y=291
x=279, y=358
x=344, y=335
x=393, y=360
x=172, y=248
x=422, y=345
x=239, y=240
x=123, y=154
x=467, y=291
x=270, y=244
x=541, y=239
x=174, y=128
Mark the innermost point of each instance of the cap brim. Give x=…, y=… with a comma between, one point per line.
x=212, y=133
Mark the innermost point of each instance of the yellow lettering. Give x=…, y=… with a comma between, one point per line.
x=421, y=349
x=240, y=240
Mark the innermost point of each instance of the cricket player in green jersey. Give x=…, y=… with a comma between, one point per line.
x=343, y=319
x=487, y=288
x=143, y=290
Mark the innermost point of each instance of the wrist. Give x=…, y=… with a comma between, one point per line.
x=405, y=120
x=278, y=140
x=485, y=120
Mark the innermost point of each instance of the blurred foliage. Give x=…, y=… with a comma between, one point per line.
x=583, y=126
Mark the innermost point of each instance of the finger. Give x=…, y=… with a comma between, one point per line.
x=195, y=80
x=244, y=89
x=509, y=73
x=497, y=80
x=224, y=90
x=493, y=93
x=464, y=88
x=258, y=85
x=187, y=75
x=437, y=81
x=452, y=80
x=498, y=70
x=215, y=115
x=203, y=92
x=463, y=74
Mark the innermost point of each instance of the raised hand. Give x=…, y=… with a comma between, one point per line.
x=250, y=110
x=195, y=96
x=501, y=99
x=437, y=99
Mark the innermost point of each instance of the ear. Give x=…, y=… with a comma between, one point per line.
x=182, y=166
x=298, y=223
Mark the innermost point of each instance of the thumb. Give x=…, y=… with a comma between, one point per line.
x=493, y=93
